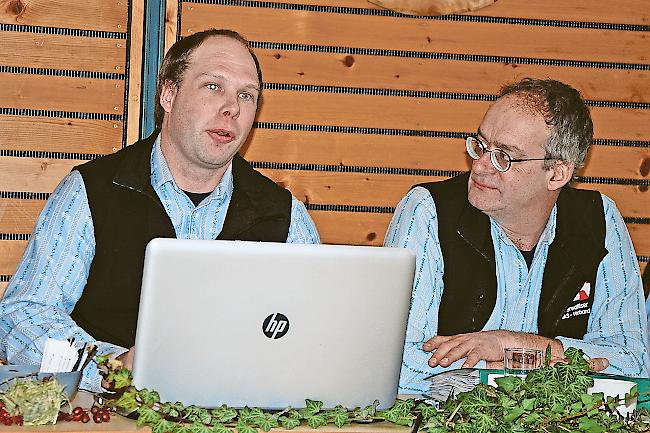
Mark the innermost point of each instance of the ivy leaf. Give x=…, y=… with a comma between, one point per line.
x=367, y=412
x=589, y=400
x=223, y=414
x=181, y=427
x=102, y=359
x=427, y=411
x=339, y=416
x=316, y=421
x=630, y=396
x=149, y=397
x=199, y=427
x=513, y=414
x=220, y=428
x=559, y=408
x=612, y=403
x=529, y=404
x=204, y=416
x=589, y=425
x=404, y=420
x=127, y=401
x=403, y=407
x=244, y=428
x=313, y=406
x=251, y=416
x=162, y=426
x=268, y=422
x=289, y=423
x=147, y=415
x=120, y=379
x=533, y=419
x=509, y=384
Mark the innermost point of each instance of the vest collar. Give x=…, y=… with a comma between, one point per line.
x=134, y=171
x=474, y=228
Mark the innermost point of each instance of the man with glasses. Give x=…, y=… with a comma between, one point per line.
x=508, y=255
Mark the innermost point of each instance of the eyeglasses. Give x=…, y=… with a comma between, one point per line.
x=499, y=158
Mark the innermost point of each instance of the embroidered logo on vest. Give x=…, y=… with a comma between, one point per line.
x=579, y=306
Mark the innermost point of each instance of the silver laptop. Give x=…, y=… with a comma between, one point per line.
x=269, y=325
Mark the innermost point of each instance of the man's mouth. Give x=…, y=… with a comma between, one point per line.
x=222, y=135
x=481, y=185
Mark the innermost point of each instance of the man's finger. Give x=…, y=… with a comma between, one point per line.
x=472, y=359
x=457, y=352
x=435, y=342
x=598, y=364
x=440, y=355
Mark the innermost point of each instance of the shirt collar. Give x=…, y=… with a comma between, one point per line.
x=546, y=237
x=161, y=175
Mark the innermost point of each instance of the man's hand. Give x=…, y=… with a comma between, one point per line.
x=127, y=358
x=598, y=364
x=484, y=345
x=127, y=362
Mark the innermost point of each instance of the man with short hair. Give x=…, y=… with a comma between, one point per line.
x=508, y=255
x=81, y=273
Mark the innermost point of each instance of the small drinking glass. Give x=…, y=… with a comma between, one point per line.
x=520, y=361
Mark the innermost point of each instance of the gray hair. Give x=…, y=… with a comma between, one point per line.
x=564, y=111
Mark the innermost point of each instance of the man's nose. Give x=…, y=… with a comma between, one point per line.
x=483, y=164
x=229, y=106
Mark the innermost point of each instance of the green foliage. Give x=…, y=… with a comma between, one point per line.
x=289, y=423
x=552, y=399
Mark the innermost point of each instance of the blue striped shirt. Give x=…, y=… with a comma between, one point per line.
x=617, y=326
x=53, y=271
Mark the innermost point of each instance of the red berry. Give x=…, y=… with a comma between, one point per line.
x=8, y=421
x=3, y=413
x=61, y=416
x=94, y=409
x=85, y=418
x=2, y=404
x=18, y=420
x=97, y=418
x=68, y=417
x=76, y=417
x=77, y=411
x=106, y=416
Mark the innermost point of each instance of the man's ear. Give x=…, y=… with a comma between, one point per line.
x=560, y=174
x=167, y=95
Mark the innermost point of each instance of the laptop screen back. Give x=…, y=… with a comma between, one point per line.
x=269, y=325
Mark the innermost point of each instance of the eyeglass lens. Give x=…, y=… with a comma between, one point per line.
x=499, y=158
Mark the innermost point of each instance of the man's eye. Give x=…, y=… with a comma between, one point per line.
x=212, y=86
x=247, y=96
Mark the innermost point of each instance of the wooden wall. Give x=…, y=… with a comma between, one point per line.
x=66, y=68
x=361, y=103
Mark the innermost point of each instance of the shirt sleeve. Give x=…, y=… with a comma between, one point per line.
x=617, y=328
x=302, y=229
x=50, y=280
x=415, y=226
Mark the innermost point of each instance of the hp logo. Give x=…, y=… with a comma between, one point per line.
x=275, y=326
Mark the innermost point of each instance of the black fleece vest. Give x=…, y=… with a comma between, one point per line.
x=470, y=278
x=127, y=214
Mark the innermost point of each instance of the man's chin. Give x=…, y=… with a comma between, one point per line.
x=482, y=200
